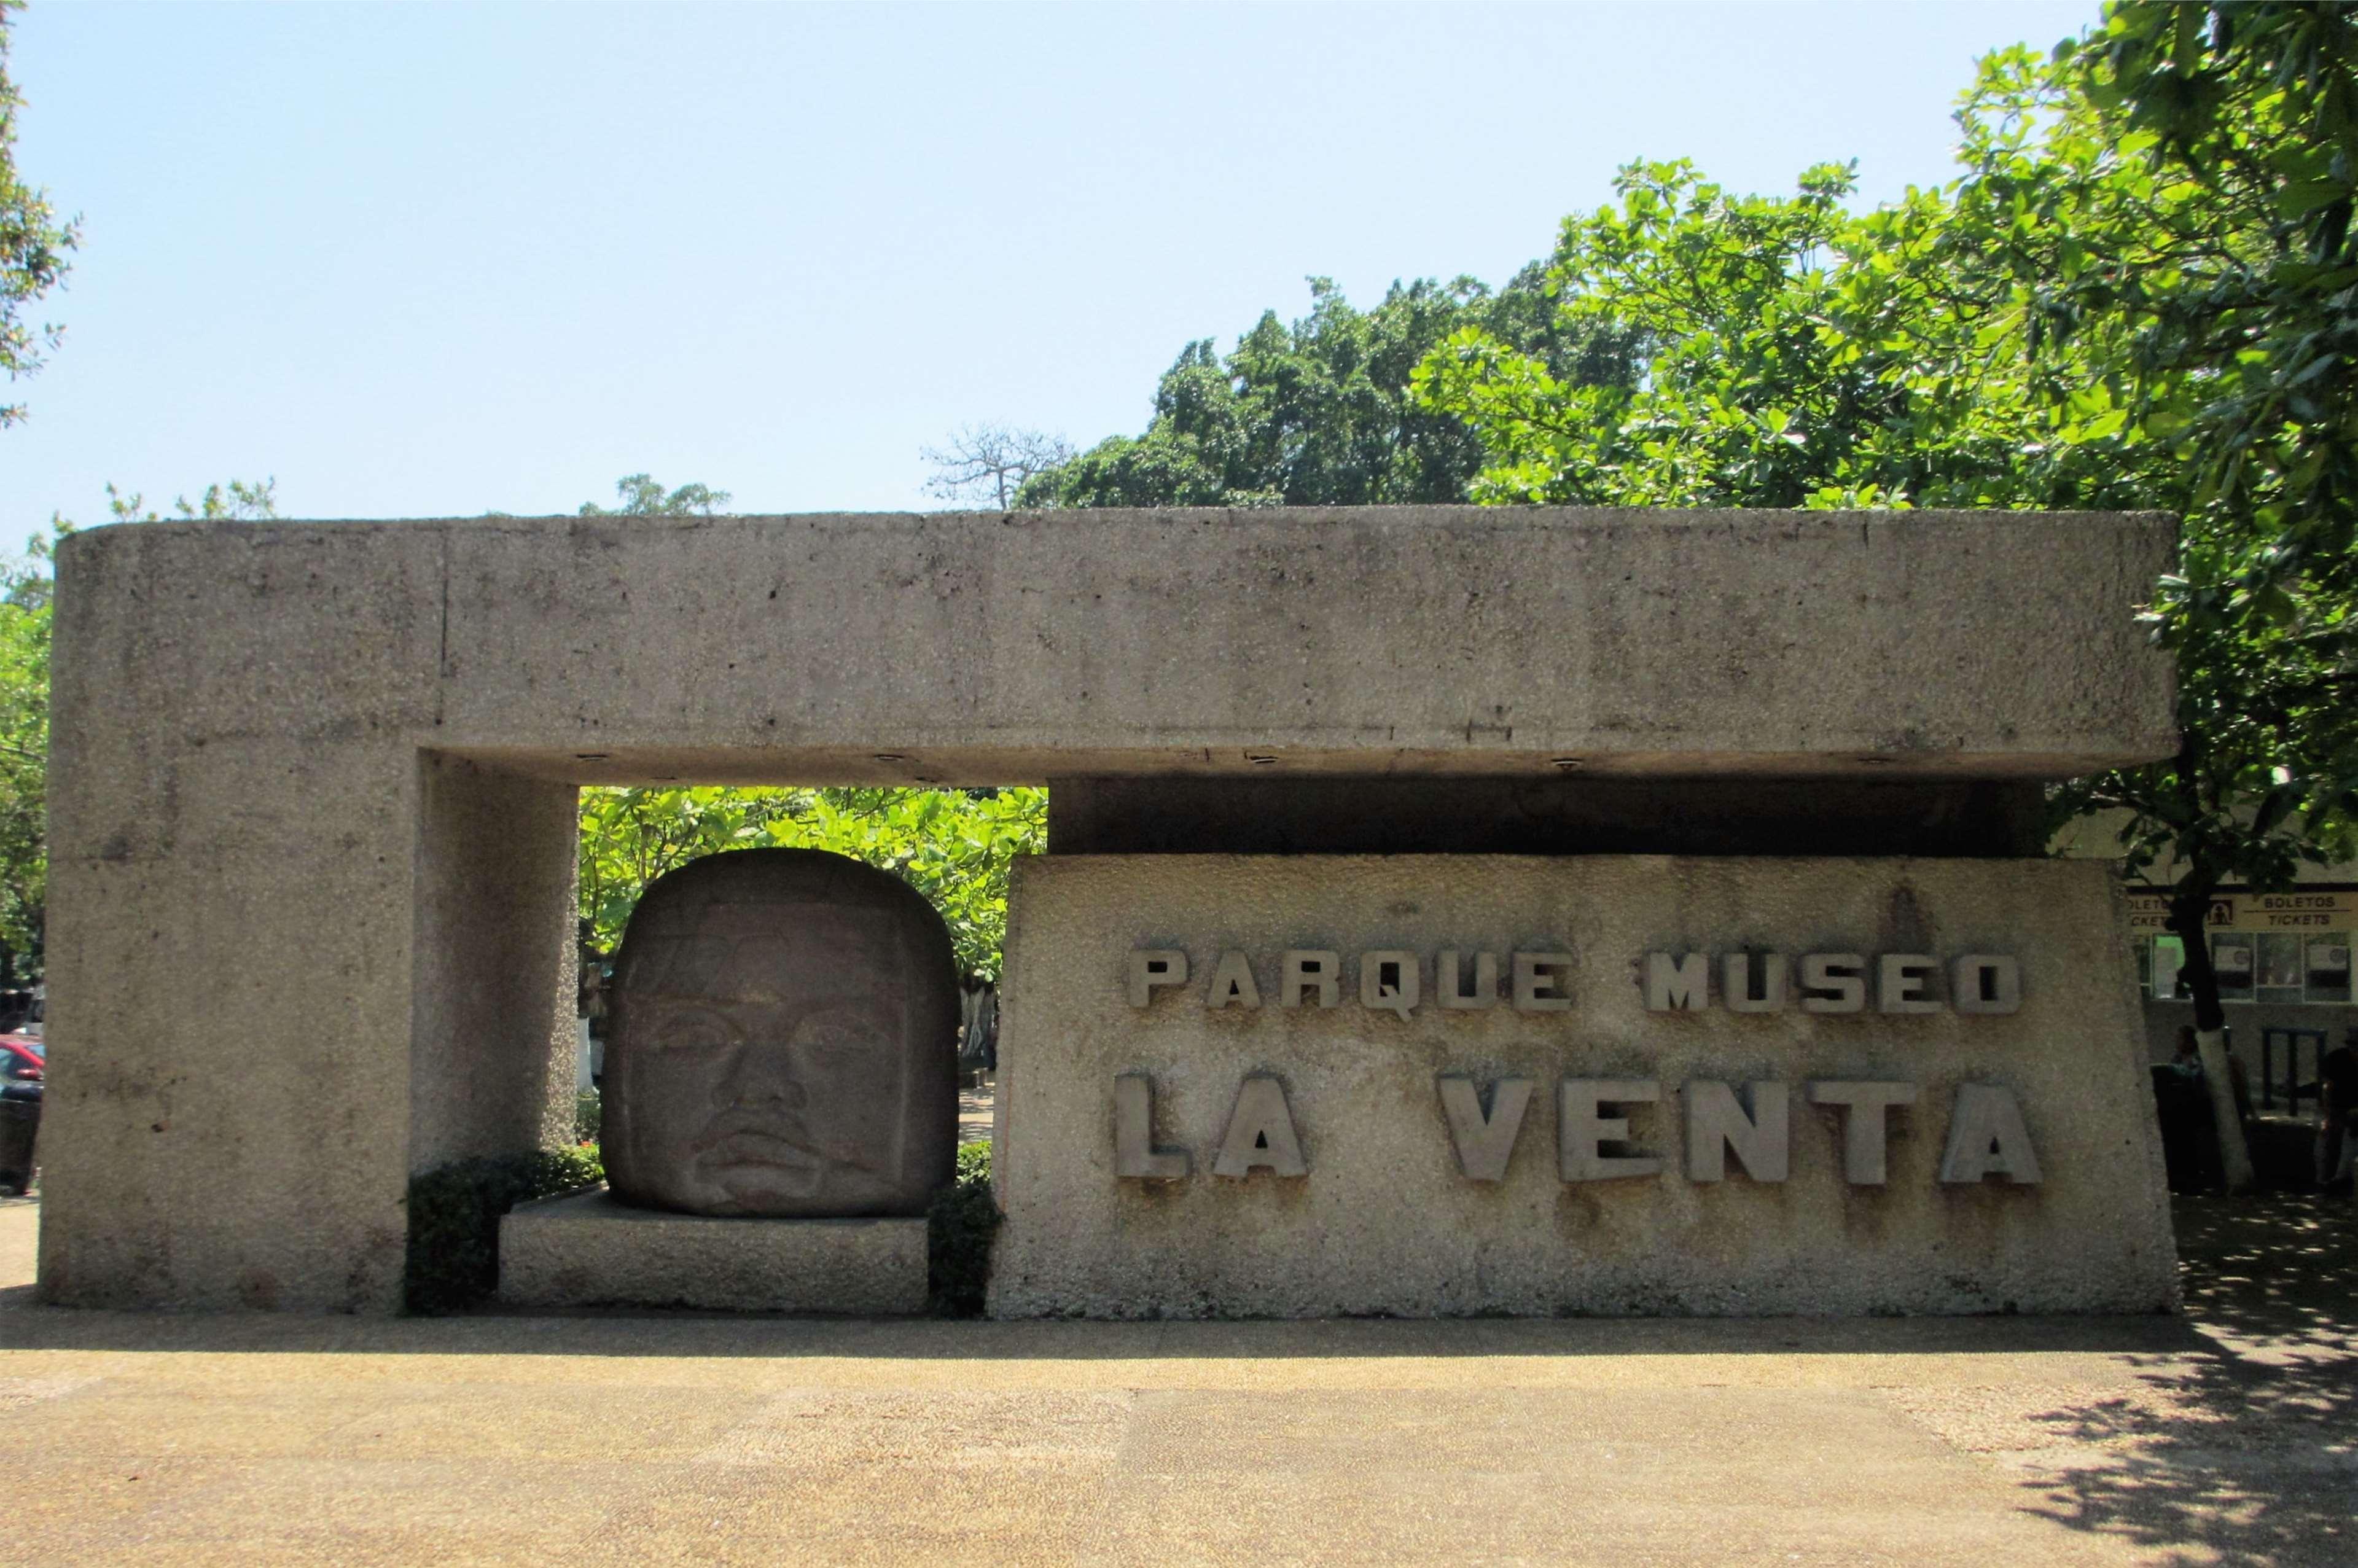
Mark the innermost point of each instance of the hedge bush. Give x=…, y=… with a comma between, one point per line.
x=960, y=1229
x=454, y=1220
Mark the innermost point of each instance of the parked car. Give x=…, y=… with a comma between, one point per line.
x=21, y=1065
x=22, y=1059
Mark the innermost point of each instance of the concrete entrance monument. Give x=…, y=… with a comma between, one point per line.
x=1446, y=910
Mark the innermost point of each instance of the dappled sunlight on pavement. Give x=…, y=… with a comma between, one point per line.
x=974, y=1113
x=2242, y=1449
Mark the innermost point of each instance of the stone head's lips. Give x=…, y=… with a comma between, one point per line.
x=737, y=1141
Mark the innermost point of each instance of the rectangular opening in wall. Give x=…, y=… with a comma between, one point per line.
x=2231, y=958
x=2328, y=976
x=953, y=846
x=2278, y=978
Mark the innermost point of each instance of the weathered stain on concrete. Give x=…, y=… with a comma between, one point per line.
x=1385, y=1222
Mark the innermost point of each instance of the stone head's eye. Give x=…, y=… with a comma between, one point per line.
x=693, y=1029
x=838, y=1031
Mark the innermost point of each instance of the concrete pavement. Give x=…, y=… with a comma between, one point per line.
x=2229, y=1436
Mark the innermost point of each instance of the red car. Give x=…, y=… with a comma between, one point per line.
x=21, y=1059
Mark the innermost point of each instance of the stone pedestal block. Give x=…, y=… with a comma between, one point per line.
x=589, y=1250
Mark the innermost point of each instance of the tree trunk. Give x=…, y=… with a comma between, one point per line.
x=2189, y=913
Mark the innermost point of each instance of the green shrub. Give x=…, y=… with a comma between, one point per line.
x=960, y=1229
x=589, y=1116
x=454, y=1220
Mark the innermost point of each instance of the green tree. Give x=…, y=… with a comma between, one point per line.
x=2137, y=292
x=33, y=243
x=1796, y=354
x=631, y=835
x=1318, y=413
x=643, y=497
x=25, y=599
x=2242, y=357
x=237, y=500
x=955, y=847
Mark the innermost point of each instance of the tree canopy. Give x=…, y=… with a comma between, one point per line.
x=2140, y=290
x=955, y=847
x=641, y=496
x=988, y=463
x=33, y=243
x=1318, y=413
x=24, y=760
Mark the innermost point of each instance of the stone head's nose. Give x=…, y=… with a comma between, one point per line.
x=764, y=1080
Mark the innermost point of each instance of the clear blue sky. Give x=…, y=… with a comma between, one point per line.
x=431, y=259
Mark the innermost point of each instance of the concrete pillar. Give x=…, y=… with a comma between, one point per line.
x=293, y=953
x=264, y=1031
x=493, y=1027
x=228, y=1123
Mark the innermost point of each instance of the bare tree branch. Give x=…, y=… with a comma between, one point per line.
x=989, y=462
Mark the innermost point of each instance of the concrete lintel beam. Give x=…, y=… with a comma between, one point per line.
x=966, y=648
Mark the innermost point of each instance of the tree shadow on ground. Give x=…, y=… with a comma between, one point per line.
x=2246, y=1450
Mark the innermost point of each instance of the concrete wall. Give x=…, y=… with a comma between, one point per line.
x=310, y=896
x=992, y=649
x=329, y=966
x=1385, y=1222
x=256, y=868
x=230, y=978
x=493, y=1008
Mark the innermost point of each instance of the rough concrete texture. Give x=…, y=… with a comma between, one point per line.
x=232, y=977
x=992, y=649
x=589, y=1250
x=2230, y=1436
x=310, y=783
x=1384, y=1222
x=317, y=968
x=494, y=1005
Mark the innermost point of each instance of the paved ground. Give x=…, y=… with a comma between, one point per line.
x=2230, y=1436
x=974, y=1113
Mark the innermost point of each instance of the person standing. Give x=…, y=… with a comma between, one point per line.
x=2189, y=1141
x=2337, y=1094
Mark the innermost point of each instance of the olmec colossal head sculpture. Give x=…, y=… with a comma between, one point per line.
x=782, y=1042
